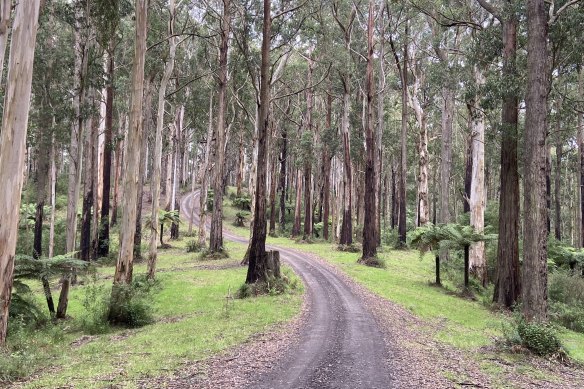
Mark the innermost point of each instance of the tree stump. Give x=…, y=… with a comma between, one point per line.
x=273, y=263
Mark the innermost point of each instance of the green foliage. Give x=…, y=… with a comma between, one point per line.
x=564, y=256
x=93, y=320
x=540, y=338
x=566, y=296
x=165, y=218
x=243, y=202
x=193, y=246
x=130, y=304
x=240, y=218
x=349, y=248
x=287, y=283
x=446, y=236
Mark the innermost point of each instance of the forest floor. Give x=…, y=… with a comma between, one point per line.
x=196, y=316
x=432, y=337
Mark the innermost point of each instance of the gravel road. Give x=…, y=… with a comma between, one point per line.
x=340, y=344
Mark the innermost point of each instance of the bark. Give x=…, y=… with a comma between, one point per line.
x=124, y=266
x=346, y=235
x=308, y=158
x=534, y=272
x=401, y=187
x=142, y=169
x=581, y=154
x=298, y=205
x=273, y=182
x=88, y=188
x=446, y=154
x=423, y=159
x=370, y=214
x=240, y=165
x=44, y=153
x=53, y=186
x=477, y=260
x=5, y=10
x=216, y=232
x=12, y=144
x=157, y=160
x=469, y=163
x=558, y=187
x=283, y=162
x=76, y=149
x=326, y=172
x=257, y=269
x=174, y=199
x=104, y=232
x=507, y=279
x=205, y=179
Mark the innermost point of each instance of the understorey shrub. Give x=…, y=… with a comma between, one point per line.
x=540, y=338
x=287, y=283
x=193, y=246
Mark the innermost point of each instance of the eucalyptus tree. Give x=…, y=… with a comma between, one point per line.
x=216, y=232
x=124, y=266
x=12, y=143
x=157, y=157
x=534, y=271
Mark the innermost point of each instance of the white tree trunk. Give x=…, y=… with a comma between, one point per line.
x=477, y=263
x=205, y=179
x=5, y=8
x=124, y=265
x=157, y=161
x=12, y=144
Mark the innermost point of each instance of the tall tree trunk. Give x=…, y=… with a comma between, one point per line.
x=326, y=171
x=257, y=269
x=88, y=188
x=283, y=160
x=240, y=166
x=469, y=163
x=423, y=160
x=273, y=182
x=205, y=179
x=477, y=200
x=216, y=232
x=76, y=149
x=12, y=144
x=5, y=10
x=124, y=266
x=558, y=185
x=307, y=233
x=53, y=186
x=104, y=233
x=534, y=272
x=146, y=115
x=507, y=281
x=403, y=161
x=298, y=204
x=157, y=161
x=174, y=202
x=44, y=153
x=346, y=235
x=446, y=154
x=581, y=153
x=370, y=214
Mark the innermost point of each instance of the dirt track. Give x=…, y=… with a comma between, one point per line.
x=340, y=344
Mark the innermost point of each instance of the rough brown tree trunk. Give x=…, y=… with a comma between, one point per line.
x=283, y=175
x=534, y=272
x=507, y=279
x=257, y=269
x=88, y=188
x=124, y=266
x=581, y=153
x=273, y=182
x=12, y=143
x=370, y=214
x=216, y=232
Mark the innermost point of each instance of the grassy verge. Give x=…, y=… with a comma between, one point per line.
x=407, y=280
x=195, y=313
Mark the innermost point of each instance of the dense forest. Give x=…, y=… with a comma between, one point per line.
x=454, y=127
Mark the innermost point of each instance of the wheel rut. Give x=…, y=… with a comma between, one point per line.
x=340, y=345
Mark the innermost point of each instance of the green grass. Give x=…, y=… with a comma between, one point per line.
x=407, y=280
x=196, y=317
